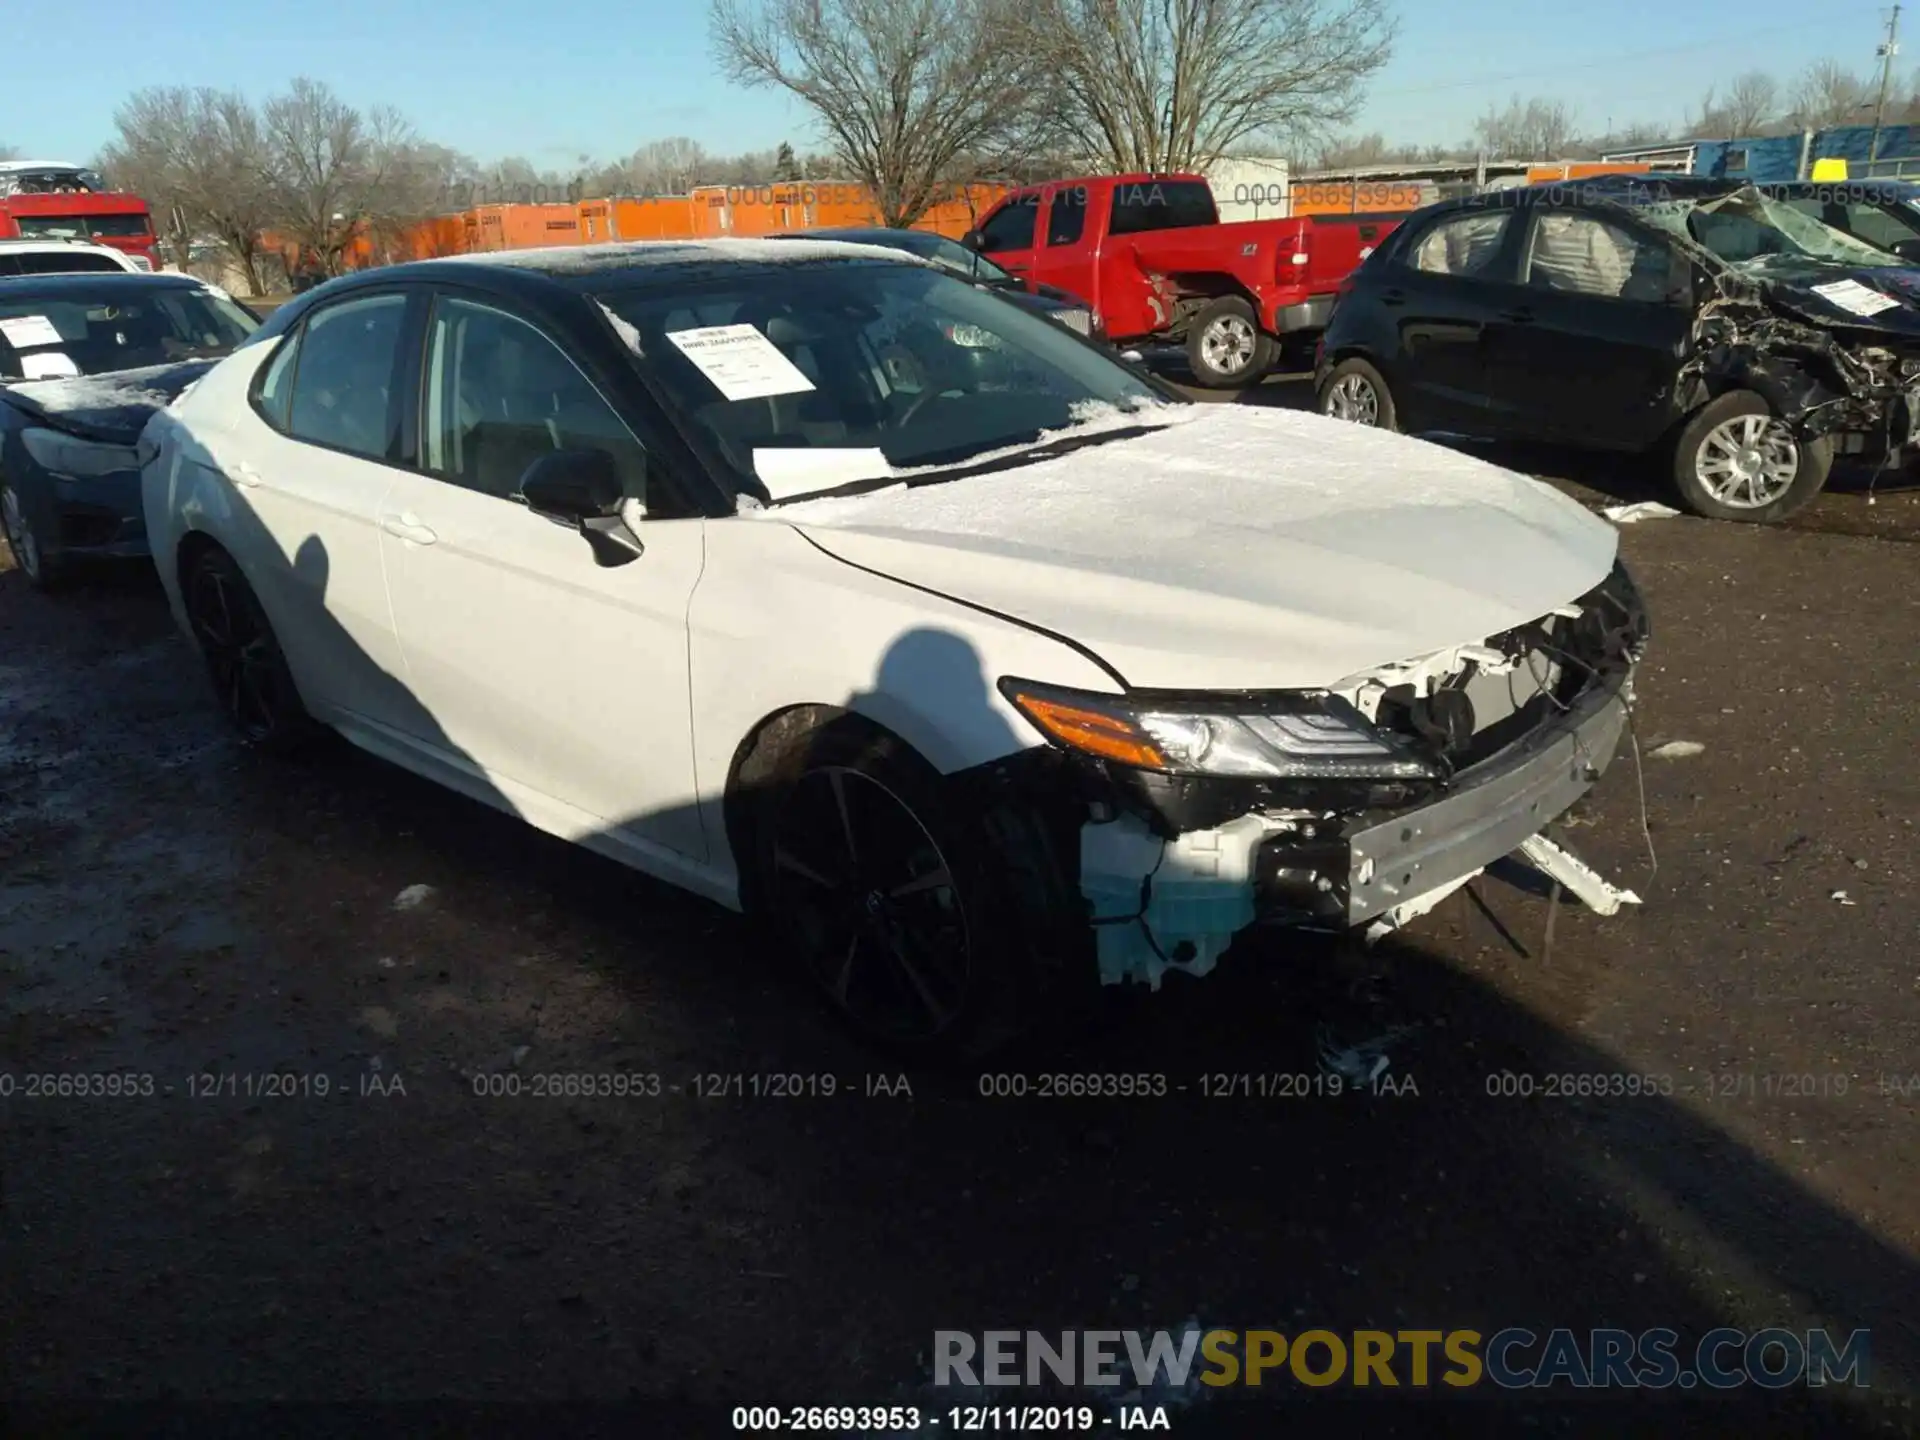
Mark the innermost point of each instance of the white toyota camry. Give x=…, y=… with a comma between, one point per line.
x=810, y=578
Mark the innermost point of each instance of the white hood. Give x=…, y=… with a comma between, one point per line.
x=1246, y=548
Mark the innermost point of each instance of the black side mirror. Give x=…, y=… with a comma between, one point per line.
x=971, y=240
x=1908, y=250
x=581, y=489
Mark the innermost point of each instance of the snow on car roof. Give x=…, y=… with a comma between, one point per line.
x=73, y=393
x=637, y=254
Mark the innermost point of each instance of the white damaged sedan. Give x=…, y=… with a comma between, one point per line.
x=807, y=577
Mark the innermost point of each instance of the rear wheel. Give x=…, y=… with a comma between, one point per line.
x=1736, y=460
x=43, y=571
x=243, y=656
x=1225, y=345
x=884, y=897
x=1355, y=391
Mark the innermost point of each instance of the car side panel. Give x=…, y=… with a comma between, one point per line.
x=776, y=622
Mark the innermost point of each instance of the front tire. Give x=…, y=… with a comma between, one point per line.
x=884, y=897
x=43, y=571
x=1226, y=347
x=1354, y=391
x=248, y=669
x=1735, y=460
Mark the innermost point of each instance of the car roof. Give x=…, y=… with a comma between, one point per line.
x=93, y=282
x=653, y=261
x=53, y=242
x=605, y=268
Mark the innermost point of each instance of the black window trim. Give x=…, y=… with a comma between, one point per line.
x=395, y=459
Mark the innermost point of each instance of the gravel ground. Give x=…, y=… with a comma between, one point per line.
x=173, y=908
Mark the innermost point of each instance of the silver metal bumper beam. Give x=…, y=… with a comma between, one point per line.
x=1489, y=812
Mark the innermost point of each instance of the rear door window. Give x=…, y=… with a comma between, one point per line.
x=1466, y=244
x=1579, y=254
x=1067, y=215
x=1143, y=205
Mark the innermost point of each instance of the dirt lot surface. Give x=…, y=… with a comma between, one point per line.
x=175, y=909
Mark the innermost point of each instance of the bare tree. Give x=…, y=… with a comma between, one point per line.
x=1753, y=100
x=8, y=152
x=1152, y=85
x=1536, y=129
x=1827, y=93
x=317, y=143
x=903, y=88
x=201, y=156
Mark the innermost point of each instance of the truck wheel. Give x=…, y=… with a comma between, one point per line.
x=1355, y=391
x=1225, y=345
x=1735, y=460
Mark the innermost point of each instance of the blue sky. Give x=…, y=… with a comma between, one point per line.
x=595, y=77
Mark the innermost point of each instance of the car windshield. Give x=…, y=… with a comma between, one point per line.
x=941, y=251
x=899, y=363
x=81, y=227
x=1747, y=227
x=76, y=330
x=962, y=261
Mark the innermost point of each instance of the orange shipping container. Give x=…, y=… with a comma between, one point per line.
x=1583, y=169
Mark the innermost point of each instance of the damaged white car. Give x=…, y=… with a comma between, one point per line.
x=817, y=581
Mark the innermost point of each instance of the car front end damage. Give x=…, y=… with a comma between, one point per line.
x=1820, y=340
x=1858, y=387
x=1183, y=820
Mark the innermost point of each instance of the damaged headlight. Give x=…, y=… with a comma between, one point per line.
x=1271, y=737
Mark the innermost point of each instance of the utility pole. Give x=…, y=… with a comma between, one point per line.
x=1889, y=48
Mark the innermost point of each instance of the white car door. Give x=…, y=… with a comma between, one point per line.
x=548, y=682
x=309, y=457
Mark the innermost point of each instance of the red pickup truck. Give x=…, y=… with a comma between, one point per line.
x=1149, y=254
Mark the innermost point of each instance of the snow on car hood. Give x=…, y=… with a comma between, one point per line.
x=112, y=407
x=1246, y=549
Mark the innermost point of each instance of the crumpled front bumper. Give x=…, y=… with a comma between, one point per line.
x=1486, y=813
x=1160, y=904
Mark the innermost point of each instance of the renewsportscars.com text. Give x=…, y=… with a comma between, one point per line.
x=1514, y=1358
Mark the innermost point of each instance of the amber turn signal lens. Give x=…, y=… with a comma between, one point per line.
x=1092, y=731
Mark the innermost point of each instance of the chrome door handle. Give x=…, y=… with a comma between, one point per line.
x=244, y=474
x=408, y=527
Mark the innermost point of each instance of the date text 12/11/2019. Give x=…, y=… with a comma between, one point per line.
x=961, y=1419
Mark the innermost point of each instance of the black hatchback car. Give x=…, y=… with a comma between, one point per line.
x=1735, y=335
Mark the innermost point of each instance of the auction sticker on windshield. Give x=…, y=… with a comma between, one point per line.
x=47, y=365
x=741, y=362
x=1852, y=296
x=25, y=330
